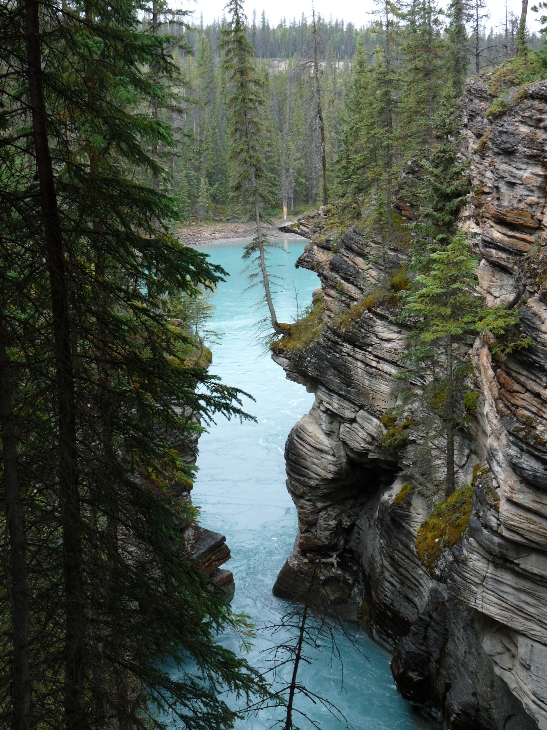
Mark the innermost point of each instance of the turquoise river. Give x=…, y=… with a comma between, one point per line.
x=241, y=490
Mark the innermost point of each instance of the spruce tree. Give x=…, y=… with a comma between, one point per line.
x=387, y=86
x=319, y=106
x=356, y=161
x=444, y=186
x=444, y=309
x=204, y=199
x=423, y=51
x=442, y=303
x=251, y=183
x=458, y=59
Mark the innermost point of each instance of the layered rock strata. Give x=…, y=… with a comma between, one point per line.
x=469, y=640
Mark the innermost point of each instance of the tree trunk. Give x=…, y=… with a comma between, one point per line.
x=389, y=115
x=449, y=420
x=521, y=39
x=297, y=658
x=66, y=415
x=263, y=269
x=477, y=40
x=265, y=278
x=155, y=179
x=17, y=548
x=320, y=112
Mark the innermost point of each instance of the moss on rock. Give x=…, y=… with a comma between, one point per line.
x=444, y=527
x=401, y=496
x=302, y=333
x=396, y=436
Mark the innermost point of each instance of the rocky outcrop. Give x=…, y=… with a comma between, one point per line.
x=470, y=641
x=206, y=548
x=209, y=551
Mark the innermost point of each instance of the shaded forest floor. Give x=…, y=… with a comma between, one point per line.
x=200, y=234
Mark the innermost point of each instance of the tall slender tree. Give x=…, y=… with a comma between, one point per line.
x=445, y=308
x=423, y=51
x=319, y=107
x=458, y=15
x=251, y=180
x=521, y=36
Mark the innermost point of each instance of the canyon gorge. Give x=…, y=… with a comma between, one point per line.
x=468, y=632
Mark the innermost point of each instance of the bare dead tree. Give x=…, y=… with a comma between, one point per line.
x=479, y=14
x=303, y=629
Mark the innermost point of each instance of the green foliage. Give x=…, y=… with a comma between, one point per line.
x=444, y=187
x=457, y=58
x=138, y=386
x=251, y=180
x=204, y=199
x=444, y=527
x=509, y=80
x=444, y=308
x=442, y=305
x=424, y=52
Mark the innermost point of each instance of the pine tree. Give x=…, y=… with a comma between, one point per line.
x=444, y=187
x=251, y=182
x=442, y=303
x=356, y=161
x=386, y=84
x=444, y=309
x=319, y=106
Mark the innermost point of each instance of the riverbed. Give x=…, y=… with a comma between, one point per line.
x=241, y=491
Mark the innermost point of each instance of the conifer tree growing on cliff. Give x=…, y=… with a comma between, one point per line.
x=442, y=304
x=251, y=185
x=444, y=186
x=445, y=308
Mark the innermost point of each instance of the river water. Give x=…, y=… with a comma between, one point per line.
x=241, y=490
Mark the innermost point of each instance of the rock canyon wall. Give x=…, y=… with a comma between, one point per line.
x=469, y=633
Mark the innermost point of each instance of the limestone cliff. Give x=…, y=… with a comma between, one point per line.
x=469, y=635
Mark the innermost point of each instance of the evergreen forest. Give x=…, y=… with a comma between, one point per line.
x=119, y=122
x=284, y=57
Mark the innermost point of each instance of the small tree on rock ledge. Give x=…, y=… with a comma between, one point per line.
x=445, y=307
